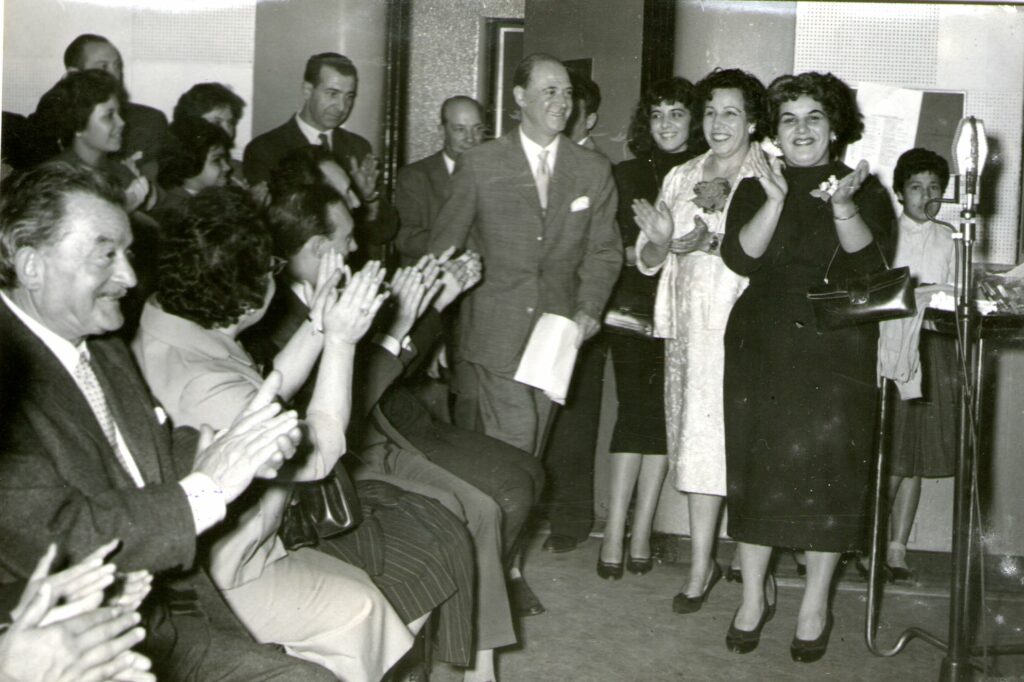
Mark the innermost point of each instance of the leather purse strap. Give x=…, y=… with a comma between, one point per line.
x=828, y=269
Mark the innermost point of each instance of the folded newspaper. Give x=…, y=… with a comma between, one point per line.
x=550, y=356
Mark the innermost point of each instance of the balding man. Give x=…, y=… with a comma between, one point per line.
x=540, y=210
x=423, y=186
x=86, y=456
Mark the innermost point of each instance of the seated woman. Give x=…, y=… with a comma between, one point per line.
x=194, y=157
x=306, y=220
x=83, y=110
x=216, y=279
x=217, y=104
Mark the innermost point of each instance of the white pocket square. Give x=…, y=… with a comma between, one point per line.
x=161, y=416
x=580, y=204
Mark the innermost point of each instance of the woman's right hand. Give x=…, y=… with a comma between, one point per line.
x=655, y=223
x=349, y=313
x=769, y=174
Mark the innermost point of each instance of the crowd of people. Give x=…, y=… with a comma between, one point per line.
x=199, y=354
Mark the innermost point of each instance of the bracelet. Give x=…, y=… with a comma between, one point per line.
x=855, y=213
x=373, y=197
x=715, y=243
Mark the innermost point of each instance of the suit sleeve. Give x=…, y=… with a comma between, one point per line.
x=452, y=225
x=413, y=235
x=602, y=262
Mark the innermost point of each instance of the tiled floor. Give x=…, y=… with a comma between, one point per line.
x=625, y=631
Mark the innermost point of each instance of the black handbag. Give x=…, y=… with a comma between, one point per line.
x=320, y=509
x=629, y=322
x=884, y=295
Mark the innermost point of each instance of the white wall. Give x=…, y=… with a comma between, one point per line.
x=165, y=52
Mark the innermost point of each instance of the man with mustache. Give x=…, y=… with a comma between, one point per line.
x=329, y=87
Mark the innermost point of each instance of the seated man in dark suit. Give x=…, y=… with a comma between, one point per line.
x=329, y=86
x=87, y=456
x=423, y=186
x=144, y=127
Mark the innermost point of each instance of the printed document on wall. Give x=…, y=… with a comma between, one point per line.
x=891, y=117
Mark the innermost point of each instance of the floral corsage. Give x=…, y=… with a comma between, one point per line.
x=711, y=195
x=826, y=189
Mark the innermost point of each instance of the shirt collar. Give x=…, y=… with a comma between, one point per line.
x=533, y=150
x=312, y=134
x=178, y=332
x=67, y=353
x=449, y=162
x=910, y=225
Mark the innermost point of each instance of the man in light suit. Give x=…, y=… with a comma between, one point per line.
x=85, y=454
x=541, y=212
x=423, y=186
x=329, y=86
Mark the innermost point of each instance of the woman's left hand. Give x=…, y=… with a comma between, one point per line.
x=696, y=239
x=137, y=194
x=848, y=186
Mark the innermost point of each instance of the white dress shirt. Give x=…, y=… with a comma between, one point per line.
x=312, y=133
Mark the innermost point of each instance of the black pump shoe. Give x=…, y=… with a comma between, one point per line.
x=809, y=651
x=684, y=604
x=609, y=570
x=639, y=566
x=745, y=641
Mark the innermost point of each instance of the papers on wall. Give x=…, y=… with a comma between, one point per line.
x=891, y=117
x=550, y=356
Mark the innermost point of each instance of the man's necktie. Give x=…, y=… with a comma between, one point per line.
x=543, y=178
x=94, y=394
x=325, y=141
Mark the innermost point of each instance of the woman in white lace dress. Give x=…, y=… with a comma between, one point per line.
x=680, y=239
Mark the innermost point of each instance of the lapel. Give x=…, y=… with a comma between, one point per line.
x=292, y=136
x=52, y=392
x=519, y=167
x=561, y=185
x=134, y=417
x=341, y=149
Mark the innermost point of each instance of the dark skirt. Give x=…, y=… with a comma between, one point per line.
x=640, y=384
x=924, y=429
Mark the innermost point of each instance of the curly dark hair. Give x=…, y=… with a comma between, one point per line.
x=919, y=160
x=736, y=79
x=299, y=214
x=184, y=151
x=835, y=96
x=66, y=107
x=202, y=98
x=214, y=258
x=669, y=90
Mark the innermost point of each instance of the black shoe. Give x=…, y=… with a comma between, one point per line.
x=609, y=570
x=559, y=543
x=899, y=573
x=809, y=651
x=523, y=601
x=684, y=604
x=733, y=575
x=745, y=641
x=639, y=566
x=885, y=573
x=801, y=567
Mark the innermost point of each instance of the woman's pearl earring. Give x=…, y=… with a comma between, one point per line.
x=751, y=129
x=832, y=137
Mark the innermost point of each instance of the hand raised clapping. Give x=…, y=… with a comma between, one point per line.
x=849, y=185
x=655, y=223
x=769, y=174
x=347, y=314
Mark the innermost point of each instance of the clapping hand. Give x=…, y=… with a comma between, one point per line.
x=458, y=276
x=331, y=271
x=849, y=184
x=137, y=194
x=769, y=174
x=655, y=223
x=348, y=314
x=365, y=175
x=696, y=239
x=77, y=641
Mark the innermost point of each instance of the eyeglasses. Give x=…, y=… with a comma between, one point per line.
x=277, y=265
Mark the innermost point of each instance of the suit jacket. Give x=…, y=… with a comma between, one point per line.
x=59, y=478
x=562, y=260
x=264, y=151
x=419, y=195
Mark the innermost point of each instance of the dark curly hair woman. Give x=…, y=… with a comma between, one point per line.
x=799, y=401
x=194, y=156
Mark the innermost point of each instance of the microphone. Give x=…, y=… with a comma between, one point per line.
x=970, y=150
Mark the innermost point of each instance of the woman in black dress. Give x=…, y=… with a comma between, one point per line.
x=660, y=137
x=800, y=402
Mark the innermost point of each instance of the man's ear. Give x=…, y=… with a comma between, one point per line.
x=591, y=121
x=519, y=95
x=29, y=267
x=317, y=245
x=307, y=90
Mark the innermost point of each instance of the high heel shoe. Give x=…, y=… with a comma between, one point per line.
x=609, y=570
x=639, y=566
x=745, y=641
x=681, y=603
x=811, y=650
